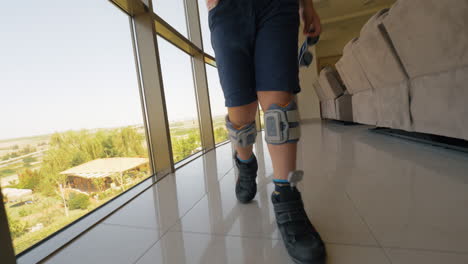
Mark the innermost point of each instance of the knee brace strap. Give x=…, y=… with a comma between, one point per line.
x=243, y=137
x=282, y=124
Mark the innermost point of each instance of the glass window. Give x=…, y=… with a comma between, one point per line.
x=179, y=90
x=218, y=109
x=206, y=35
x=72, y=134
x=173, y=12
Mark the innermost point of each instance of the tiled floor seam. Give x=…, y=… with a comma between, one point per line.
x=195, y=204
x=271, y=238
x=201, y=198
x=225, y=235
x=461, y=253
x=169, y=228
x=227, y=172
x=369, y=228
x=180, y=218
x=133, y=226
x=151, y=246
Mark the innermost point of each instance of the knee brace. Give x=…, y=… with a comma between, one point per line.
x=282, y=124
x=243, y=137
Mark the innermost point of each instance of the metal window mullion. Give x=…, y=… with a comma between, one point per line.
x=7, y=253
x=199, y=73
x=146, y=50
x=142, y=99
x=258, y=122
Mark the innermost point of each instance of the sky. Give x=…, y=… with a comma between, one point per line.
x=70, y=65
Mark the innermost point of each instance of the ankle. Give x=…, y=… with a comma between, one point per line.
x=284, y=191
x=248, y=160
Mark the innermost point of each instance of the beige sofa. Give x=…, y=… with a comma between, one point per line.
x=358, y=86
x=335, y=102
x=408, y=69
x=432, y=44
x=385, y=74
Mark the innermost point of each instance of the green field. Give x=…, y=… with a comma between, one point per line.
x=49, y=209
x=49, y=212
x=25, y=139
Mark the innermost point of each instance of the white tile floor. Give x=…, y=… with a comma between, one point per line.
x=374, y=198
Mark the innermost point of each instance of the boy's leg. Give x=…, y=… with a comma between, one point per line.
x=240, y=117
x=300, y=237
x=233, y=37
x=242, y=130
x=277, y=78
x=283, y=156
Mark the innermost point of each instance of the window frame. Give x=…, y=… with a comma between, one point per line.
x=145, y=26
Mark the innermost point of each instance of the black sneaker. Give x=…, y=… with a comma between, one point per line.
x=301, y=239
x=246, y=186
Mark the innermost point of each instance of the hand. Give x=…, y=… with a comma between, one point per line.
x=310, y=18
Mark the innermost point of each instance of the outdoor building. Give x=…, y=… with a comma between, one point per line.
x=83, y=177
x=14, y=194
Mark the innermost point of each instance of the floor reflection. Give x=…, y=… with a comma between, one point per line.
x=374, y=198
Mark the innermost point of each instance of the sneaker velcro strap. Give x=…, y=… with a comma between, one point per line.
x=297, y=229
x=248, y=178
x=291, y=217
x=288, y=206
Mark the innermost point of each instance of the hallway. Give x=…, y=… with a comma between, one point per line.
x=374, y=199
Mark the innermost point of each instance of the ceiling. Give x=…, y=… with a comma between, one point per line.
x=331, y=10
x=341, y=17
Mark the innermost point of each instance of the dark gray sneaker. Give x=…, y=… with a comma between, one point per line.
x=303, y=242
x=246, y=186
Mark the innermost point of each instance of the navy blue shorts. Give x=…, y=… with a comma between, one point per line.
x=256, y=47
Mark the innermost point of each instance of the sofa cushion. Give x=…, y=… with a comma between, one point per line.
x=322, y=109
x=328, y=109
x=393, y=109
x=351, y=71
x=439, y=104
x=374, y=53
x=364, y=108
x=325, y=112
x=332, y=109
x=340, y=69
x=330, y=83
x=318, y=91
x=430, y=36
x=344, y=108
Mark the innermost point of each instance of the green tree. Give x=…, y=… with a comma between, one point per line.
x=6, y=172
x=56, y=160
x=221, y=134
x=72, y=148
x=79, y=201
x=100, y=183
x=185, y=146
x=119, y=179
x=28, y=160
x=29, y=179
x=17, y=227
x=127, y=142
x=28, y=149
